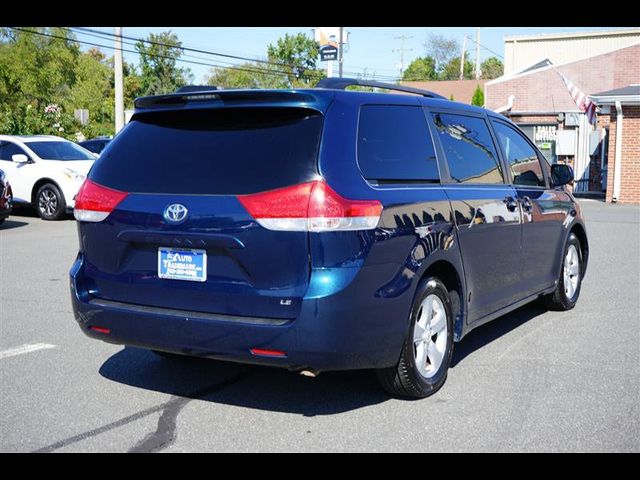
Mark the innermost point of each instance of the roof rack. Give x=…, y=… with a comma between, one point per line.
x=196, y=88
x=343, y=83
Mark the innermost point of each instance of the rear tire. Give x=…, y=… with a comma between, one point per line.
x=567, y=290
x=427, y=350
x=50, y=203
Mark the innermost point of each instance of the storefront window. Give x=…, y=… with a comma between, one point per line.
x=544, y=136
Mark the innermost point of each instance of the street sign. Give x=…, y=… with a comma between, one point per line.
x=328, y=53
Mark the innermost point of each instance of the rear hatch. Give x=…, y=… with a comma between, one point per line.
x=202, y=160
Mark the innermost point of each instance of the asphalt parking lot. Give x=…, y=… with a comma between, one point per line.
x=532, y=380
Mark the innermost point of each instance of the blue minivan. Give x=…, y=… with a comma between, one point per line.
x=320, y=229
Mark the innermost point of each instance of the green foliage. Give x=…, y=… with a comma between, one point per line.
x=423, y=68
x=451, y=71
x=478, y=97
x=442, y=50
x=297, y=55
x=491, y=68
x=248, y=75
x=293, y=64
x=158, y=70
x=451, y=98
x=35, y=71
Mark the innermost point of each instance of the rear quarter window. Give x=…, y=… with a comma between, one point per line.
x=395, y=145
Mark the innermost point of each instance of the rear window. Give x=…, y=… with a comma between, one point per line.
x=217, y=151
x=394, y=144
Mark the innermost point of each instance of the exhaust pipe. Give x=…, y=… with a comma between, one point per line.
x=309, y=372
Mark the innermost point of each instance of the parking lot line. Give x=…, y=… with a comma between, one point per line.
x=26, y=348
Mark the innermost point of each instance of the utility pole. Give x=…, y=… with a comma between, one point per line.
x=340, y=55
x=401, y=50
x=477, y=53
x=464, y=47
x=119, y=89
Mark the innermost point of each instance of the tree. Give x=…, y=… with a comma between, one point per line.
x=422, y=68
x=248, y=75
x=442, y=50
x=297, y=55
x=290, y=63
x=158, y=70
x=37, y=69
x=93, y=91
x=491, y=68
x=478, y=97
x=451, y=71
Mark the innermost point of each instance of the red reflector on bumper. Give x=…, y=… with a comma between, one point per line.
x=267, y=353
x=106, y=331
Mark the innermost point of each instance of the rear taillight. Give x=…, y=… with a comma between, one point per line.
x=94, y=202
x=311, y=207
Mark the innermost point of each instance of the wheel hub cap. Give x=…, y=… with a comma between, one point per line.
x=48, y=203
x=571, y=272
x=430, y=336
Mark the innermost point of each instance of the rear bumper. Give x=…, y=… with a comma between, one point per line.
x=346, y=330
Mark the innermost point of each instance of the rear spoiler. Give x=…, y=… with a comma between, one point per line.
x=220, y=98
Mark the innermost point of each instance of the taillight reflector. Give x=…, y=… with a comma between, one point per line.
x=261, y=352
x=106, y=331
x=95, y=202
x=311, y=207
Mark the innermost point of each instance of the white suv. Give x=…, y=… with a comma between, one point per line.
x=44, y=171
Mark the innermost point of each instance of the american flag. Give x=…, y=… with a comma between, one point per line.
x=583, y=102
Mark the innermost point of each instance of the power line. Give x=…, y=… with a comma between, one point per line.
x=256, y=70
x=124, y=42
x=98, y=33
x=189, y=49
x=401, y=50
x=486, y=48
x=84, y=42
x=109, y=34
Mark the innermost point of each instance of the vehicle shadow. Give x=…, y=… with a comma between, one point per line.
x=8, y=224
x=273, y=389
x=495, y=329
x=23, y=211
x=259, y=388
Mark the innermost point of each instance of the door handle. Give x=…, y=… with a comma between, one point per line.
x=511, y=203
x=526, y=203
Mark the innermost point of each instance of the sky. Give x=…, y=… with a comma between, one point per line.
x=371, y=50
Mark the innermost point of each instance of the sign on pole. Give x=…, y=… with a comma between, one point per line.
x=328, y=52
x=329, y=40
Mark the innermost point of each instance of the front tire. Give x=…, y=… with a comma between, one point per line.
x=427, y=350
x=50, y=202
x=567, y=290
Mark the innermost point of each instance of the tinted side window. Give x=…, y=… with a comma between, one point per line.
x=522, y=158
x=394, y=144
x=7, y=150
x=469, y=148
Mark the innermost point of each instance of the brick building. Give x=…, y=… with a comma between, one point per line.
x=537, y=99
x=460, y=90
x=620, y=113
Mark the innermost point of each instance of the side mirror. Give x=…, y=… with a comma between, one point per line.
x=20, y=158
x=561, y=174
